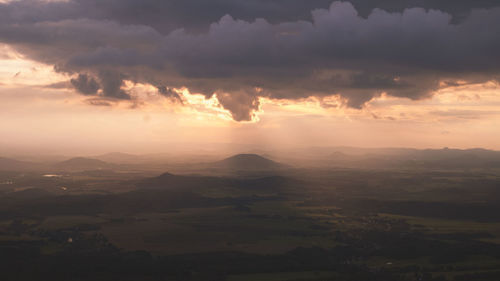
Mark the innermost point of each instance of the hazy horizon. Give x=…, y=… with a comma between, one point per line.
x=220, y=150
x=250, y=140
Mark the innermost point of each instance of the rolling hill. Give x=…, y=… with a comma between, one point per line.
x=119, y=158
x=81, y=163
x=8, y=164
x=194, y=182
x=247, y=162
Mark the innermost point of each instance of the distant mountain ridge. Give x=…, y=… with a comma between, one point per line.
x=185, y=182
x=247, y=162
x=8, y=164
x=119, y=158
x=82, y=163
x=422, y=158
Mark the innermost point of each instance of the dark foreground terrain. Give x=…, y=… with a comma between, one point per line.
x=117, y=223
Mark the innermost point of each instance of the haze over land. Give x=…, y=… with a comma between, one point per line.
x=250, y=140
x=315, y=214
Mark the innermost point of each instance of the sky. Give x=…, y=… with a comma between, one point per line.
x=145, y=76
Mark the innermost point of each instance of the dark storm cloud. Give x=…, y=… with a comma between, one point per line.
x=111, y=83
x=169, y=93
x=242, y=50
x=198, y=14
x=85, y=85
x=242, y=105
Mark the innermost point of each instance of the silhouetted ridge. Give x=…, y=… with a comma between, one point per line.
x=247, y=162
x=171, y=181
x=174, y=182
x=81, y=163
x=118, y=158
x=7, y=164
x=166, y=175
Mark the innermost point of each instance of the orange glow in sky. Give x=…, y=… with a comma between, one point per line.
x=36, y=106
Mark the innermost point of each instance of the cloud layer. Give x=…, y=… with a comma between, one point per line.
x=243, y=50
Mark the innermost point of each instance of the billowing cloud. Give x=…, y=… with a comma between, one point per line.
x=85, y=84
x=356, y=50
x=166, y=16
x=242, y=105
x=112, y=82
x=169, y=93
